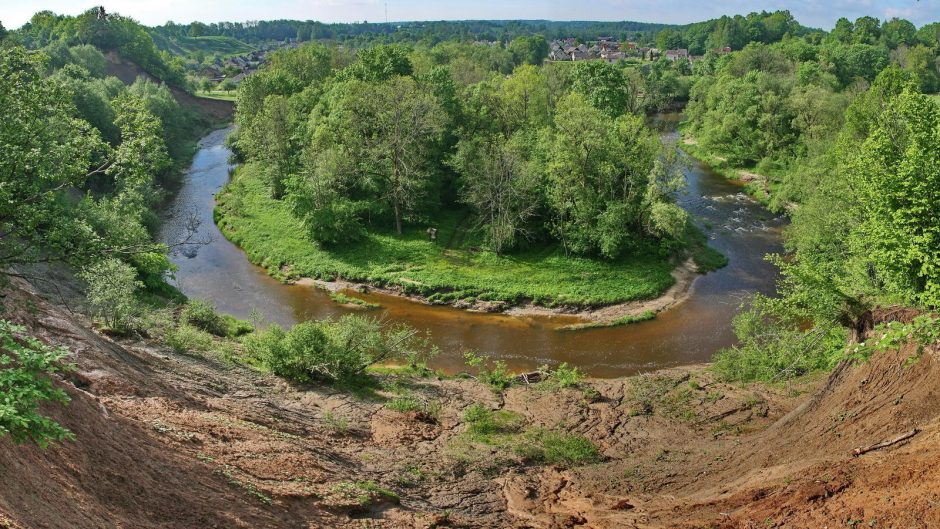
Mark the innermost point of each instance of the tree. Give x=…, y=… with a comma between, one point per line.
x=26, y=365
x=897, y=173
x=606, y=87
x=380, y=63
x=599, y=180
x=112, y=292
x=525, y=96
x=45, y=152
x=141, y=155
x=276, y=151
x=528, y=49
x=498, y=182
x=386, y=131
x=897, y=32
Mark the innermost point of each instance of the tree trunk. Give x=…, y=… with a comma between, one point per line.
x=397, y=214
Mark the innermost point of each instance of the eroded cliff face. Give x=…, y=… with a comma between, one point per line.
x=168, y=440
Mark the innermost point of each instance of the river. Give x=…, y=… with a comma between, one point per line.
x=688, y=333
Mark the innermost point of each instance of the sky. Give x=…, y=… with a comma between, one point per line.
x=814, y=13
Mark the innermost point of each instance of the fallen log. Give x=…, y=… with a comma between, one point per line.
x=884, y=444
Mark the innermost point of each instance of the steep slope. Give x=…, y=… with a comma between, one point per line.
x=170, y=440
x=218, y=111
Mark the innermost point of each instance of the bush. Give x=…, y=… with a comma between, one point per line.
x=563, y=376
x=335, y=350
x=554, y=448
x=494, y=374
x=25, y=367
x=773, y=344
x=188, y=339
x=202, y=314
x=112, y=292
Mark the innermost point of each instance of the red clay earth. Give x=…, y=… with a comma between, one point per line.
x=184, y=441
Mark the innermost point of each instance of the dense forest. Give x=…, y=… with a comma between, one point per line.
x=840, y=132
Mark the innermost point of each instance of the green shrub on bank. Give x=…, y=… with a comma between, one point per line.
x=493, y=373
x=202, y=314
x=775, y=345
x=334, y=350
x=26, y=365
x=188, y=339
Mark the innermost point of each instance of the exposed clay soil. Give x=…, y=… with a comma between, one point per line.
x=177, y=441
x=217, y=111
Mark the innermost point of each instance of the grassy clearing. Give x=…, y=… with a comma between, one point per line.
x=443, y=270
x=222, y=95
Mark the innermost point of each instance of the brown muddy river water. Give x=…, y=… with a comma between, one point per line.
x=688, y=333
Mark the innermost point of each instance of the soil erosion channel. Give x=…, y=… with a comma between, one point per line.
x=687, y=333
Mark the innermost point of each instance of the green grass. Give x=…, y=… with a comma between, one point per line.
x=624, y=320
x=506, y=430
x=222, y=95
x=343, y=299
x=210, y=45
x=274, y=239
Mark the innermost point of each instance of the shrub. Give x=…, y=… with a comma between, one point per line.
x=336, y=350
x=554, y=448
x=188, y=339
x=773, y=344
x=201, y=314
x=563, y=376
x=25, y=367
x=112, y=292
x=494, y=374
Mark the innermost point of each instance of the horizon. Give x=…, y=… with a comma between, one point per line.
x=810, y=13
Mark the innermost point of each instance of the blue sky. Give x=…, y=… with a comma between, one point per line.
x=817, y=13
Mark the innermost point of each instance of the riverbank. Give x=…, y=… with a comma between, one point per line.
x=450, y=270
x=756, y=185
x=172, y=439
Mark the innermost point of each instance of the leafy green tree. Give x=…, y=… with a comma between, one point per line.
x=897, y=32
x=606, y=86
x=525, y=98
x=897, y=173
x=141, y=155
x=26, y=365
x=599, y=180
x=276, y=149
x=45, y=151
x=921, y=61
x=498, y=182
x=112, y=292
x=388, y=130
x=528, y=49
x=380, y=63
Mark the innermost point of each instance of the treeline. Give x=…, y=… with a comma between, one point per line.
x=733, y=32
x=430, y=32
x=838, y=131
x=105, y=31
x=86, y=160
x=544, y=155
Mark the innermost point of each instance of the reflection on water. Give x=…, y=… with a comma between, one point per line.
x=688, y=333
